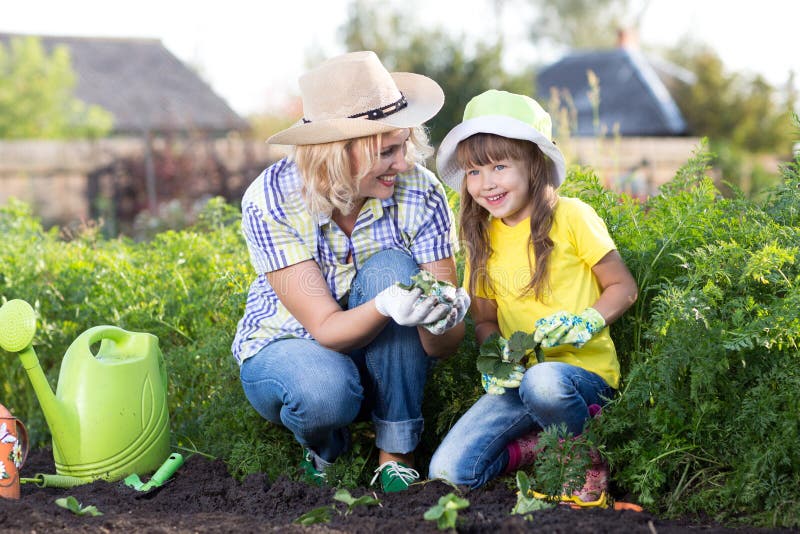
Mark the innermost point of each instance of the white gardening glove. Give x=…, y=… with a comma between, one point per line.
x=457, y=313
x=406, y=308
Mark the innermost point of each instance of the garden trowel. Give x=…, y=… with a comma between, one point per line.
x=159, y=478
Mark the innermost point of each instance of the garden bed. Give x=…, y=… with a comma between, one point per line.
x=203, y=497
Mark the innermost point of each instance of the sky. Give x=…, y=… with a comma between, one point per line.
x=252, y=51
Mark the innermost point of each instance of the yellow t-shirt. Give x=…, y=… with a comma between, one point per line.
x=580, y=240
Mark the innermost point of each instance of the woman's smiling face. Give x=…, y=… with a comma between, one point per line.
x=380, y=180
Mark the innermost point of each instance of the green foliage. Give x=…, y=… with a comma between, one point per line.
x=518, y=346
x=706, y=419
x=445, y=512
x=36, y=95
x=405, y=45
x=561, y=465
x=71, y=503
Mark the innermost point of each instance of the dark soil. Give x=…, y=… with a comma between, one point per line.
x=203, y=497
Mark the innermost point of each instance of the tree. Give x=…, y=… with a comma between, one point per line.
x=745, y=111
x=461, y=72
x=37, y=99
x=580, y=23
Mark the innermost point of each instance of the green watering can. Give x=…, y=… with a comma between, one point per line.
x=108, y=417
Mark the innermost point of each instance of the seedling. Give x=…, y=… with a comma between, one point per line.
x=445, y=512
x=445, y=293
x=520, y=345
x=323, y=514
x=72, y=504
x=344, y=496
x=526, y=502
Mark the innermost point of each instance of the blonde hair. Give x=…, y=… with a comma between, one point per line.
x=483, y=149
x=329, y=182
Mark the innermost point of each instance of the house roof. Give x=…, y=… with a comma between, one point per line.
x=143, y=85
x=631, y=93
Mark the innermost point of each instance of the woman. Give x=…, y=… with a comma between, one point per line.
x=327, y=333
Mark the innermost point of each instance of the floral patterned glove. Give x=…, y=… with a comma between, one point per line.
x=564, y=327
x=497, y=386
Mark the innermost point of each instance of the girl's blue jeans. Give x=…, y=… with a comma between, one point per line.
x=316, y=392
x=474, y=451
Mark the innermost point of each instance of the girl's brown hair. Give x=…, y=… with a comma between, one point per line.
x=483, y=149
x=329, y=182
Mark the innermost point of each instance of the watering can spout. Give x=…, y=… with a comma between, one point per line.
x=17, y=329
x=55, y=412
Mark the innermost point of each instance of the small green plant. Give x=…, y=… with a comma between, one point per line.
x=526, y=502
x=71, y=503
x=445, y=512
x=518, y=346
x=323, y=514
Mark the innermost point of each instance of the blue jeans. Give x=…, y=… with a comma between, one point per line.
x=317, y=392
x=474, y=451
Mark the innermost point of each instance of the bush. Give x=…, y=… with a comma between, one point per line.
x=706, y=420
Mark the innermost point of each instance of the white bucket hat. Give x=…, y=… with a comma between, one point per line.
x=353, y=95
x=505, y=114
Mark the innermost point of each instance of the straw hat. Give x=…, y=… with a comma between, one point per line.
x=505, y=114
x=353, y=95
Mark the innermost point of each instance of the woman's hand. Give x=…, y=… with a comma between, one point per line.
x=456, y=315
x=406, y=307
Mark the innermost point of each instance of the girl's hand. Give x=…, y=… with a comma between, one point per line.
x=564, y=327
x=405, y=307
x=497, y=386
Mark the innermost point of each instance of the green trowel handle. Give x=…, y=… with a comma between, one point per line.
x=166, y=470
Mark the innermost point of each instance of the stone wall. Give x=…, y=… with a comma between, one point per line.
x=53, y=176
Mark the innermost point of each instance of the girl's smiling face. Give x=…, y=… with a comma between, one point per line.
x=501, y=188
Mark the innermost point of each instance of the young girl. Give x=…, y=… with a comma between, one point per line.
x=536, y=262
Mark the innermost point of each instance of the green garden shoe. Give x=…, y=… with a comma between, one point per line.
x=395, y=476
x=308, y=471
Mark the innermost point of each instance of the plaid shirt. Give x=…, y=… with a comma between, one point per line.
x=280, y=232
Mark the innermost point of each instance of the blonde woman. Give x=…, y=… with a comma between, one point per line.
x=327, y=335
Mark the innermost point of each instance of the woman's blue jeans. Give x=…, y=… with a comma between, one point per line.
x=474, y=451
x=317, y=392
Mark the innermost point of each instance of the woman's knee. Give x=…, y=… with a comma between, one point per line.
x=384, y=268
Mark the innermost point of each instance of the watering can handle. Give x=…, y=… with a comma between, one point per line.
x=99, y=333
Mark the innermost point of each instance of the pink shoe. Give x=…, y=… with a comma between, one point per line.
x=596, y=486
x=522, y=451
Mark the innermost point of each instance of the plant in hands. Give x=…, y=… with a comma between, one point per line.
x=445, y=512
x=501, y=362
x=563, y=327
x=445, y=293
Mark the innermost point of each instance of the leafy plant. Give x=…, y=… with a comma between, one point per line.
x=561, y=465
x=323, y=514
x=445, y=512
x=431, y=286
x=71, y=503
x=518, y=346
x=526, y=502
